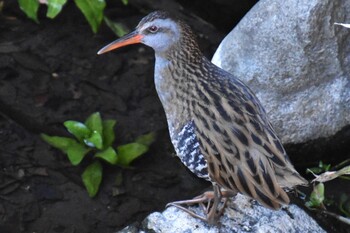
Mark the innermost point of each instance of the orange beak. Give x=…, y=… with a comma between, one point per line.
x=131, y=38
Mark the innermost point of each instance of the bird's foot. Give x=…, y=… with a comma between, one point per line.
x=212, y=202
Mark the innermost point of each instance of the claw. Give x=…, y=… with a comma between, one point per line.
x=193, y=214
x=213, y=209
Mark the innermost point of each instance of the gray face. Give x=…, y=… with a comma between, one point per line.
x=160, y=34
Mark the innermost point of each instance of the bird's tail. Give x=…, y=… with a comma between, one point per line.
x=273, y=202
x=290, y=179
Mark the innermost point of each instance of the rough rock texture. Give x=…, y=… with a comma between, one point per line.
x=297, y=62
x=241, y=216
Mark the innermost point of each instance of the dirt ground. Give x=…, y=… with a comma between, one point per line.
x=50, y=73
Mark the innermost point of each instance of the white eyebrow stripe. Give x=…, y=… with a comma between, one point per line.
x=164, y=23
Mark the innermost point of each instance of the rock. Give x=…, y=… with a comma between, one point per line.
x=297, y=62
x=242, y=215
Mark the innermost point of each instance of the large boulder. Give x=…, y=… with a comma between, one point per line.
x=297, y=62
x=241, y=216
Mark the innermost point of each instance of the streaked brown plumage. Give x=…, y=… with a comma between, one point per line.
x=218, y=127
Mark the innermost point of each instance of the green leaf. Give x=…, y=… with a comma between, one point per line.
x=92, y=177
x=94, y=122
x=125, y=2
x=108, y=132
x=93, y=11
x=109, y=155
x=54, y=7
x=78, y=129
x=324, y=167
x=315, y=170
x=129, y=152
x=61, y=143
x=30, y=8
x=94, y=141
x=118, y=28
x=316, y=196
x=321, y=168
x=76, y=152
x=318, y=193
x=146, y=139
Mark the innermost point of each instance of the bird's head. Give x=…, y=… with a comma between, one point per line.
x=157, y=30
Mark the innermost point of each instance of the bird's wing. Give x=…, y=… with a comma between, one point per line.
x=241, y=148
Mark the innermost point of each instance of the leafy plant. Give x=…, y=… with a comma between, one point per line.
x=321, y=168
x=96, y=137
x=91, y=9
x=317, y=199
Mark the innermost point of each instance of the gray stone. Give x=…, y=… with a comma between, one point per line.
x=297, y=62
x=241, y=216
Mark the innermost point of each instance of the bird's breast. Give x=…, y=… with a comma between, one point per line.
x=169, y=88
x=175, y=102
x=161, y=79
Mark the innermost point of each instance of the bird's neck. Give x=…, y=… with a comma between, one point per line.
x=176, y=76
x=174, y=68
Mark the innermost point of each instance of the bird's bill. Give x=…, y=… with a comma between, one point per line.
x=131, y=38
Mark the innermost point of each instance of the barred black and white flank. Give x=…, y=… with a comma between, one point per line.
x=218, y=127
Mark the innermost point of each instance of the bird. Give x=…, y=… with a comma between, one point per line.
x=219, y=128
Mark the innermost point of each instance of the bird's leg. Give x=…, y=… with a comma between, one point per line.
x=213, y=210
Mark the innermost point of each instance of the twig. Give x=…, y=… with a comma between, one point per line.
x=343, y=24
x=336, y=216
x=330, y=175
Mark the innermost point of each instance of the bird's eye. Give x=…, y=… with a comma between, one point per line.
x=153, y=29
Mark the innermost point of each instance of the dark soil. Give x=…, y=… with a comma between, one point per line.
x=50, y=73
